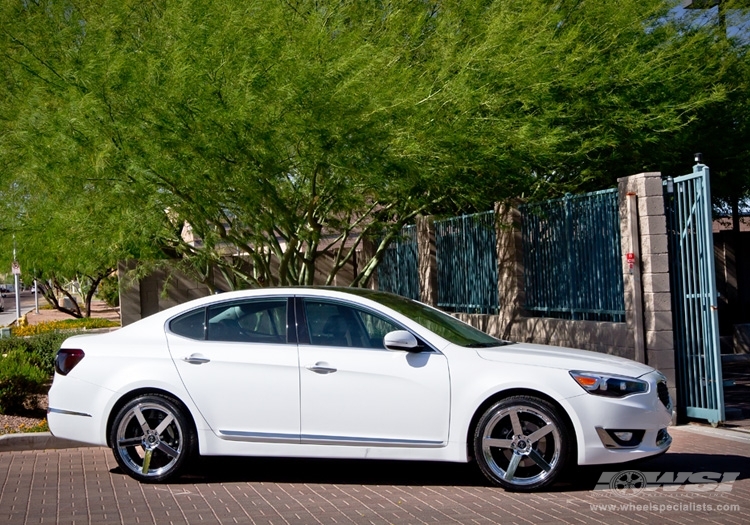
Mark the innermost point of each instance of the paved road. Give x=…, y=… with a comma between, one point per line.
x=84, y=485
x=27, y=304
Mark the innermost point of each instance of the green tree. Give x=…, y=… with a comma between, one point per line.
x=282, y=131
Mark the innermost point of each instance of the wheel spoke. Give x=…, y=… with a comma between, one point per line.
x=164, y=424
x=169, y=451
x=141, y=420
x=500, y=443
x=146, y=460
x=127, y=442
x=539, y=434
x=516, y=422
x=539, y=460
x=512, y=466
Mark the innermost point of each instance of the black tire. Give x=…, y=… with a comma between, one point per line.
x=522, y=444
x=152, y=438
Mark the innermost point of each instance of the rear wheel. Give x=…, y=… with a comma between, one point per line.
x=522, y=444
x=152, y=438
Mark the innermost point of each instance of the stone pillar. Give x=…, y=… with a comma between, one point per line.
x=427, y=256
x=654, y=264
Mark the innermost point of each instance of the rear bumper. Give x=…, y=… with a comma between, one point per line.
x=75, y=413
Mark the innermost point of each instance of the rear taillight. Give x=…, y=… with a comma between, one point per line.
x=67, y=359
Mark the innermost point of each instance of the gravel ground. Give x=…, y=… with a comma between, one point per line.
x=30, y=418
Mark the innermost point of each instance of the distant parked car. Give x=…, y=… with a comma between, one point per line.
x=349, y=373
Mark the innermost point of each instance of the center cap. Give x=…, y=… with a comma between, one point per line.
x=521, y=444
x=150, y=440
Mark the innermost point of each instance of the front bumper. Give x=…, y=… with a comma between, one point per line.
x=605, y=423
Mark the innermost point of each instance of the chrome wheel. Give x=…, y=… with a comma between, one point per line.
x=521, y=444
x=151, y=438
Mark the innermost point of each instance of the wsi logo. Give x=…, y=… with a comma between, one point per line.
x=631, y=482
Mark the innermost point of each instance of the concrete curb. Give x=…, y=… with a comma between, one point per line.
x=36, y=441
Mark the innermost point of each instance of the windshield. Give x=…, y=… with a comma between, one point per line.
x=444, y=325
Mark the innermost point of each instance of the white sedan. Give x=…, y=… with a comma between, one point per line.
x=349, y=373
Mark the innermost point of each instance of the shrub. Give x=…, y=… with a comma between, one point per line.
x=20, y=381
x=109, y=291
x=40, y=349
x=85, y=323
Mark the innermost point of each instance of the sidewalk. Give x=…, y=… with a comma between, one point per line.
x=99, y=309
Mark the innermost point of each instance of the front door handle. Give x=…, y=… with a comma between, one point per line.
x=321, y=367
x=196, y=359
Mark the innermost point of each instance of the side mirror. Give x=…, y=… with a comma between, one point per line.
x=401, y=340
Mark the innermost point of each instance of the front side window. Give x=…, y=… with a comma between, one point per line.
x=259, y=321
x=444, y=325
x=335, y=324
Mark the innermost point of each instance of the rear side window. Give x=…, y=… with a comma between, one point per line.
x=257, y=321
x=190, y=325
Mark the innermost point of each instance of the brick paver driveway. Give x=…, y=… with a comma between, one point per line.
x=84, y=485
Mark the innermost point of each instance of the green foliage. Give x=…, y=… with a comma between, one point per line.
x=277, y=130
x=20, y=381
x=40, y=349
x=109, y=291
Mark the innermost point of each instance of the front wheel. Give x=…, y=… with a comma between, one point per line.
x=152, y=438
x=521, y=443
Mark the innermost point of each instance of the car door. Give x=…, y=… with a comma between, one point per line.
x=356, y=392
x=240, y=369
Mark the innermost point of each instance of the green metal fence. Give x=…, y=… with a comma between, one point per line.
x=700, y=387
x=467, y=263
x=398, y=272
x=572, y=257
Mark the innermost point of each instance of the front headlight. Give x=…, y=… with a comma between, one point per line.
x=608, y=384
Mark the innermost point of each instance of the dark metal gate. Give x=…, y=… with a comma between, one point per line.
x=694, y=298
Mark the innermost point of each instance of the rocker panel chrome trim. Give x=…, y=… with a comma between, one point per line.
x=261, y=437
x=258, y=437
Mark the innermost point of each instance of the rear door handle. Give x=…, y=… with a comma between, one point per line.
x=321, y=367
x=196, y=359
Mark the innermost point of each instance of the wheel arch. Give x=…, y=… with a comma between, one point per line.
x=504, y=394
x=126, y=398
